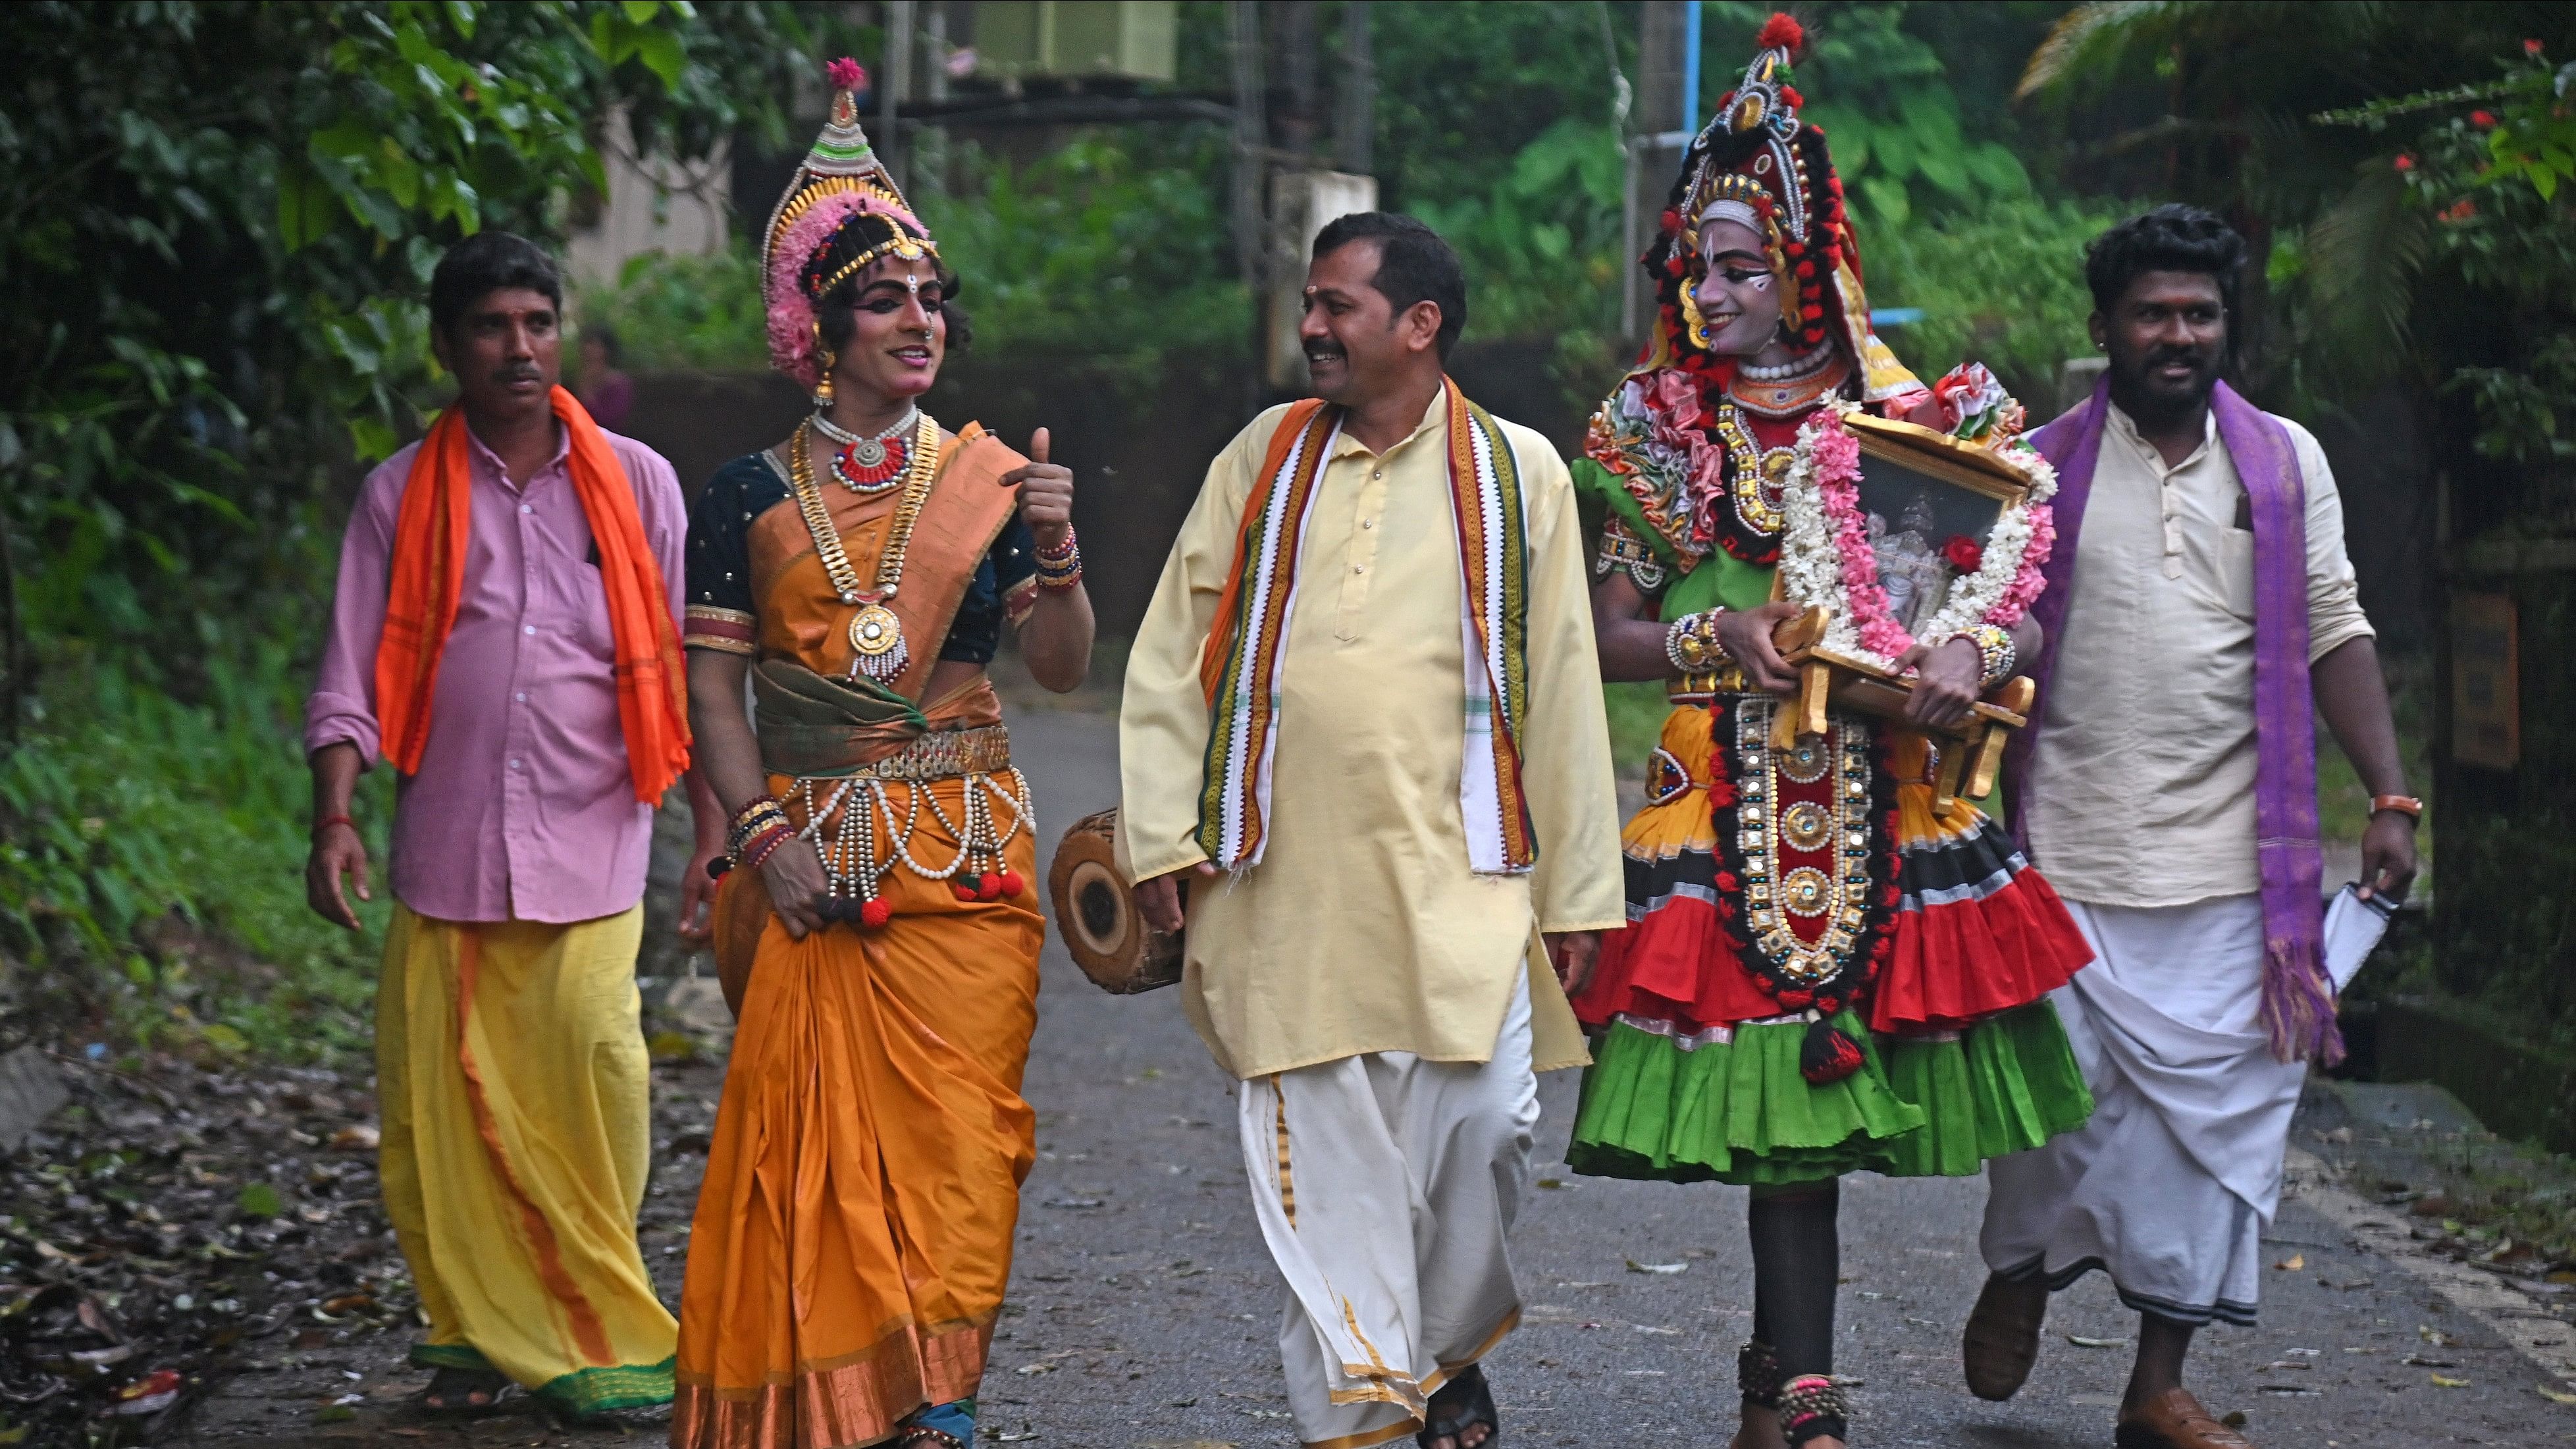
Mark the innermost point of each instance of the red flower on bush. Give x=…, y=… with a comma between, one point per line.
x=2483, y=120
x=2531, y=47
x=1963, y=553
x=2405, y=162
x=2460, y=210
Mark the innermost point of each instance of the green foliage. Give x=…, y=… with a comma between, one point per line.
x=2002, y=285
x=1880, y=92
x=1097, y=247
x=151, y=860
x=2476, y=197
x=1464, y=89
x=221, y=224
x=1541, y=247
x=685, y=311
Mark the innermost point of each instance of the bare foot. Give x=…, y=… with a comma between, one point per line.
x=1761, y=1430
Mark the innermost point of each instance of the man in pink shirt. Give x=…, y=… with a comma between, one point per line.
x=511, y=1069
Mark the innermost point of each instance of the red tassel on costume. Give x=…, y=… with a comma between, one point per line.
x=1780, y=32
x=1828, y=1054
x=1795, y=100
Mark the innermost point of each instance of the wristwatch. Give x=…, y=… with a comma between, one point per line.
x=2406, y=805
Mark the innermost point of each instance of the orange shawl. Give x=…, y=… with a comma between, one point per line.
x=430, y=537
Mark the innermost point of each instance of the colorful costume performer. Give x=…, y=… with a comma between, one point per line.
x=2177, y=671
x=533, y=701
x=1366, y=686
x=853, y=1237
x=1820, y=973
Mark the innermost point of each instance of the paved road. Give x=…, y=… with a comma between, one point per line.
x=1144, y=1308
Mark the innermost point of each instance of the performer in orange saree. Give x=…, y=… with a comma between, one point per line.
x=877, y=928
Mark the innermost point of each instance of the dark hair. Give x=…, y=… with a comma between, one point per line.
x=2171, y=238
x=485, y=263
x=1413, y=265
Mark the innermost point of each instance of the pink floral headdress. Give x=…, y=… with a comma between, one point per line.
x=840, y=181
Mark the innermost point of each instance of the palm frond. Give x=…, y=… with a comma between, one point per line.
x=2364, y=254
x=2091, y=39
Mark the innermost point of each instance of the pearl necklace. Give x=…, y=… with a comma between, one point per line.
x=1795, y=367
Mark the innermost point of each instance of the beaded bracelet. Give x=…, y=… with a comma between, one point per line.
x=757, y=850
x=1692, y=644
x=763, y=811
x=1062, y=568
x=1996, y=654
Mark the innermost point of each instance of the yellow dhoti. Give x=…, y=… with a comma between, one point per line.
x=516, y=1096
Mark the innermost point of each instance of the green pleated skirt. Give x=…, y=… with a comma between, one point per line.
x=1738, y=1111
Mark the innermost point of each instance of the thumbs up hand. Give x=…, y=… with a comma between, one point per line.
x=1046, y=494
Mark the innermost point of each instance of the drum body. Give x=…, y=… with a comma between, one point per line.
x=1095, y=911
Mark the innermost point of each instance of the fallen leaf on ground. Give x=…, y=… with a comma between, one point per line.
x=1033, y=1369
x=259, y=1200
x=1075, y=1202
x=357, y=1137
x=150, y=1394
x=2080, y=1341
x=1666, y=1268
x=2292, y=1263
x=2553, y=1395
x=349, y=1303
x=2442, y=1382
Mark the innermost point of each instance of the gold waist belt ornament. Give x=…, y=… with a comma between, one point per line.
x=861, y=830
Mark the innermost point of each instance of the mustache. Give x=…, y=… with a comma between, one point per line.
x=518, y=372
x=1317, y=351
x=2159, y=357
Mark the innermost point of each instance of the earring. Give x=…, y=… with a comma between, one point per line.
x=823, y=388
x=1694, y=326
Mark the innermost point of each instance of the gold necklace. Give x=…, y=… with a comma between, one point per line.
x=875, y=633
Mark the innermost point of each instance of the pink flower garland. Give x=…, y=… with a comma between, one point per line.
x=1836, y=455
x=1837, y=463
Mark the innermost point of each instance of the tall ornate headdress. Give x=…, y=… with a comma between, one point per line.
x=1757, y=162
x=841, y=212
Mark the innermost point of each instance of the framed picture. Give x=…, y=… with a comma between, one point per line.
x=1898, y=534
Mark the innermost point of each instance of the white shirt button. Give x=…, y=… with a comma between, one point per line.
x=521, y=696
x=524, y=508
x=1368, y=523
x=1359, y=568
x=527, y=628
x=514, y=764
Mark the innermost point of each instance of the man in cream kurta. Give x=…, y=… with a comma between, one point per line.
x=1384, y=1004
x=2141, y=804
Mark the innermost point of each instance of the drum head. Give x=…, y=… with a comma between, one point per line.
x=1095, y=910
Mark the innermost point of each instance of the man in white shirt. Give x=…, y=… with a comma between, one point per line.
x=2200, y=607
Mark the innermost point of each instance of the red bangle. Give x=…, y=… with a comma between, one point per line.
x=327, y=821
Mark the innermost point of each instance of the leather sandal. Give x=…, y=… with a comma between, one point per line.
x=1459, y=1405
x=2001, y=1341
x=2175, y=1420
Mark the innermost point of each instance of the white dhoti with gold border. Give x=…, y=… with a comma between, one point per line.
x=1385, y=1185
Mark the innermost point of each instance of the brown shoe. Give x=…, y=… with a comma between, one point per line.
x=2175, y=1420
x=2002, y=1338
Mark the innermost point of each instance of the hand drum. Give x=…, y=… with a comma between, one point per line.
x=1095, y=910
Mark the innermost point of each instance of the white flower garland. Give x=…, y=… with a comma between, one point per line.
x=1817, y=562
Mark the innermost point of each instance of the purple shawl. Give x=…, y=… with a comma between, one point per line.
x=2298, y=1007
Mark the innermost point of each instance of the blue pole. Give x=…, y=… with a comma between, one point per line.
x=1690, y=68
